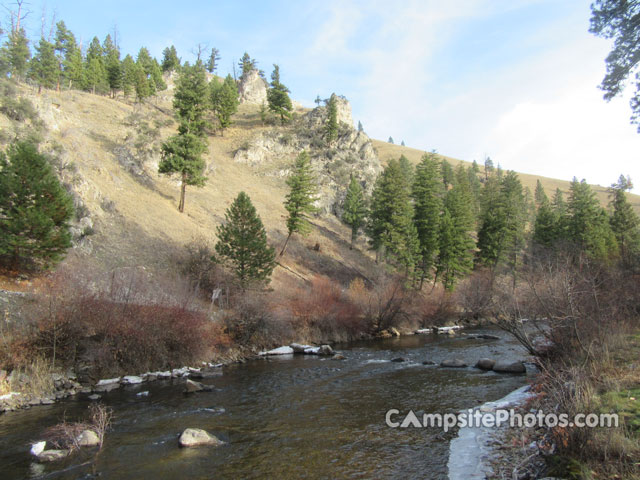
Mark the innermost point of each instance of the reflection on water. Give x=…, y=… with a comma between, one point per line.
x=295, y=417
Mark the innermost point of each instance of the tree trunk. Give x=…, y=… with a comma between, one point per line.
x=183, y=188
x=285, y=244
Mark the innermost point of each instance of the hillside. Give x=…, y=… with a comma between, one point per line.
x=109, y=151
x=387, y=151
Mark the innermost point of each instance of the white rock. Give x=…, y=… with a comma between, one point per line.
x=131, y=380
x=38, y=448
x=9, y=395
x=88, y=438
x=52, y=455
x=423, y=331
x=193, y=437
x=312, y=351
x=143, y=394
x=108, y=381
x=166, y=374
x=298, y=348
x=280, y=351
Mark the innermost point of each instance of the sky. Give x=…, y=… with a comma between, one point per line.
x=515, y=80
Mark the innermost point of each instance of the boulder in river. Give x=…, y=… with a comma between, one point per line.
x=131, y=380
x=194, y=437
x=509, y=367
x=299, y=348
x=192, y=387
x=339, y=357
x=52, y=455
x=485, y=364
x=399, y=360
x=286, y=350
x=453, y=363
x=325, y=350
x=429, y=362
x=88, y=438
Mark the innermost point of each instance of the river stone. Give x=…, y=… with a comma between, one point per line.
x=192, y=387
x=193, y=437
x=485, y=364
x=299, y=348
x=339, y=357
x=106, y=387
x=52, y=455
x=325, y=350
x=131, y=380
x=281, y=351
x=88, y=438
x=399, y=360
x=453, y=363
x=509, y=367
x=428, y=362
x=94, y=397
x=108, y=381
x=394, y=331
x=486, y=336
x=38, y=448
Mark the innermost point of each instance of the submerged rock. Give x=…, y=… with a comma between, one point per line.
x=325, y=350
x=399, y=360
x=52, y=455
x=428, y=362
x=509, y=367
x=194, y=437
x=485, y=364
x=453, y=363
x=300, y=348
x=193, y=387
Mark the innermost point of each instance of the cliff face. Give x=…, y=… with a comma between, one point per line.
x=352, y=153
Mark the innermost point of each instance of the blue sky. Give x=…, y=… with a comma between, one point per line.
x=512, y=79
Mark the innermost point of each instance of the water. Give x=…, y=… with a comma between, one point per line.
x=294, y=417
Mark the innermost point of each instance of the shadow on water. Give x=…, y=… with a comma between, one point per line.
x=294, y=417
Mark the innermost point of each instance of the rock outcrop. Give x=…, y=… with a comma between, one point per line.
x=272, y=154
x=253, y=88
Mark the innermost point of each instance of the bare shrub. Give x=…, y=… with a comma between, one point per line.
x=474, y=295
x=253, y=324
x=205, y=274
x=66, y=435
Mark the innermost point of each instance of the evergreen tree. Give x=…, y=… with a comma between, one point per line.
x=170, y=60
x=224, y=100
x=390, y=140
x=427, y=195
x=354, y=209
x=18, y=53
x=182, y=154
x=545, y=229
x=448, y=177
x=247, y=64
x=360, y=127
x=214, y=58
x=561, y=214
x=34, y=209
x=95, y=76
x=501, y=233
x=391, y=227
x=456, y=243
x=301, y=198
x=44, y=68
x=242, y=242
x=278, y=97
x=73, y=68
x=94, y=51
x=588, y=226
x=402, y=144
x=191, y=99
x=624, y=223
x=488, y=167
x=331, y=126
x=129, y=69
x=112, y=64
x=64, y=43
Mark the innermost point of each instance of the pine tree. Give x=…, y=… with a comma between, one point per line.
x=64, y=43
x=448, y=177
x=301, y=198
x=182, y=154
x=390, y=140
x=331, y=127
x=128, y=68
x=113, y=66
x=170, y=60
x=561, y=214
x=354, y=209
x=141, y=83
x=44, y=68
x=391, y=227
x=224, y=100
x=18, y=53
x=246, y=64
x=427, y=195
x=456, y=243
x=214, y=58
x=501, y=233
x=278, y=97
x=72, y=66
x=360, y=127
x=191, y=98
x=545, y=229
x=242, y=242
x=588, y=225
x=95, y=76
x=34, y=209
x=624, y=223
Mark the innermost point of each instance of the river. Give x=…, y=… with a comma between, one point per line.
x=295, y=417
